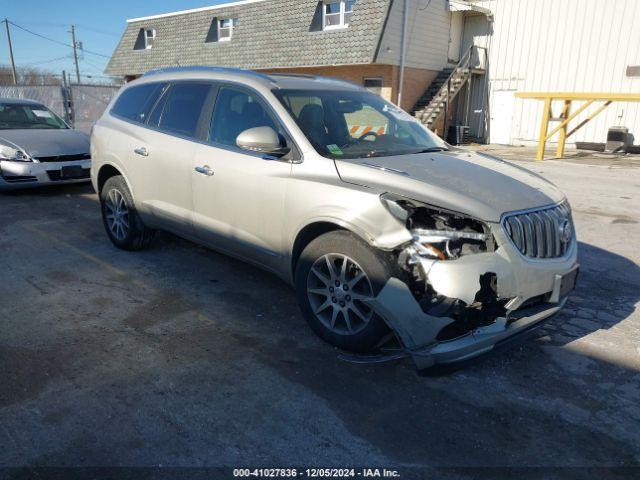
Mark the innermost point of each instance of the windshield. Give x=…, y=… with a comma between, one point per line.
x=356, y=124
x=15, y=116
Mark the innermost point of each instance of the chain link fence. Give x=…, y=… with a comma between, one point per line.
x=80, y=105
x=88, y=102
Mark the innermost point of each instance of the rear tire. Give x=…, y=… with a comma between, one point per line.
x=334, y=274
x=120, y=217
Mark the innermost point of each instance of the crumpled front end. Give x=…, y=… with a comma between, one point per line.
x=470, y=284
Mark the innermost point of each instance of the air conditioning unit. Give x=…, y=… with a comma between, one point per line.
x=617, y=140
x=458, y=135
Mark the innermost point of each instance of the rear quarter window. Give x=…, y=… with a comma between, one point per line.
x=135, y=102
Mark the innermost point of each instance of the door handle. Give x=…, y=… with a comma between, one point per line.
x=142, y=151
x=205, y=170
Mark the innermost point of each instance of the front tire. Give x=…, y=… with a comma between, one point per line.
x=335, y=276
x=121, y=221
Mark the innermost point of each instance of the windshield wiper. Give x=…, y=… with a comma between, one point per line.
x=431, y=150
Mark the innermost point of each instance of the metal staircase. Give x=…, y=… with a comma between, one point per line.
x=437, y=99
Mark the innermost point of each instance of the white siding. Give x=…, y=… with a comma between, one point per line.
x=428, y=35
x=567, y=45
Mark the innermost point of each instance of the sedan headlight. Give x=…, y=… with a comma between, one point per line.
x=438, y=233
x=13, y=154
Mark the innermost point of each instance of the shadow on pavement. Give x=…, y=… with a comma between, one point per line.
x=179, y=355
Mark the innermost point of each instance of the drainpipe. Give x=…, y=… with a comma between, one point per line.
x=403, y=49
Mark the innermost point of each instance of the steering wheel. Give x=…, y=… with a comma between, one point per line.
x=368, y=134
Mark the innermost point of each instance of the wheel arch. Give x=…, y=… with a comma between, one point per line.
x=107, y=171
x=315, y=229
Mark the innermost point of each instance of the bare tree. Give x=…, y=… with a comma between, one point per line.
x=29, y=76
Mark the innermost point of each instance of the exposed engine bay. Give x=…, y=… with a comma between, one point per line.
x=439, y=237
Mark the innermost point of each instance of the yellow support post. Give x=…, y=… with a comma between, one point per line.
x=565, y=122
x=567, y=116
x=544, y=126
x=589, y=118
x=562, y=136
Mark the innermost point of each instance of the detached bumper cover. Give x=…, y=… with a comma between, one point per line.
x=14, y=175
x=418, y=330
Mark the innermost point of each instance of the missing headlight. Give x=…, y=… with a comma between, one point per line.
x=438, y=233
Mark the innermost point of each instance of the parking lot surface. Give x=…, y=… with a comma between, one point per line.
x=180, y=356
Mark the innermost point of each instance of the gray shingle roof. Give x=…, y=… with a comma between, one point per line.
x=270, y=34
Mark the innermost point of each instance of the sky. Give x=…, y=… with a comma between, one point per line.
x=99, y=25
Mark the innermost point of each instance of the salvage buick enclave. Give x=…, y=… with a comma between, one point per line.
x=381, y=227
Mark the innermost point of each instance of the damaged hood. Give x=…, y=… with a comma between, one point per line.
x=46, y=143
x=475, y=184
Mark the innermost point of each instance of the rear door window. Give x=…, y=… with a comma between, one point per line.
x=135, y=102
x=183, y=108
x=155, y=116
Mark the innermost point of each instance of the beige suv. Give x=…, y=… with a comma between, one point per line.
x=380, y=226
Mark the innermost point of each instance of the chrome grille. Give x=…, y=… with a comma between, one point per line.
x=542, y=233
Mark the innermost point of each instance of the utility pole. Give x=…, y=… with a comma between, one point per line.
x=403, y=52
x=75, y=51
x=13, y=63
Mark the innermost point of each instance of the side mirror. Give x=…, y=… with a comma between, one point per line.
x=262, y=140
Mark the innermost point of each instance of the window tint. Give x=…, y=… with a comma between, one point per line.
x=183, y=108
x=135, y=102
x=235, y=112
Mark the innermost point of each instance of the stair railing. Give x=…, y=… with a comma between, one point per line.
x=465, y=63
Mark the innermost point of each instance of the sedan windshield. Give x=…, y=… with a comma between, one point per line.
x=15, y=116
x=356, y=124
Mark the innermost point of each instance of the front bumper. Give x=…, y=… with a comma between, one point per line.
x=533, y=290
x=418, y=331
x=15, y=175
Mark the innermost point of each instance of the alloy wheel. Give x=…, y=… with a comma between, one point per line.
x=117, y=214
x=338, y=290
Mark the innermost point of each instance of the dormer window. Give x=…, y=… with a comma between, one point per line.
x=221, y=30
x=149, y=37
x=145, y=39
x=337, y=13
x=225, y=29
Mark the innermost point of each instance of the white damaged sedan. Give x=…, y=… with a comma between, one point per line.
x=38, y=148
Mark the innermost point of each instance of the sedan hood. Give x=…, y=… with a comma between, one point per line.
x=472, y=183
x=46, y=143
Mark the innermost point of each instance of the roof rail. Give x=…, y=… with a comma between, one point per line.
x=197, y=68
x=294, y=75
x=315, y=77
x=340, y=80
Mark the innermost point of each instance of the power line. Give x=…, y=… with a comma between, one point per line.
x=96, y=30
x=40, y=62
x=54, y=40
x=65, y=26
x=98, y=67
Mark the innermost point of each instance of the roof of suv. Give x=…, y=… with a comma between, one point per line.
x=279, y=80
